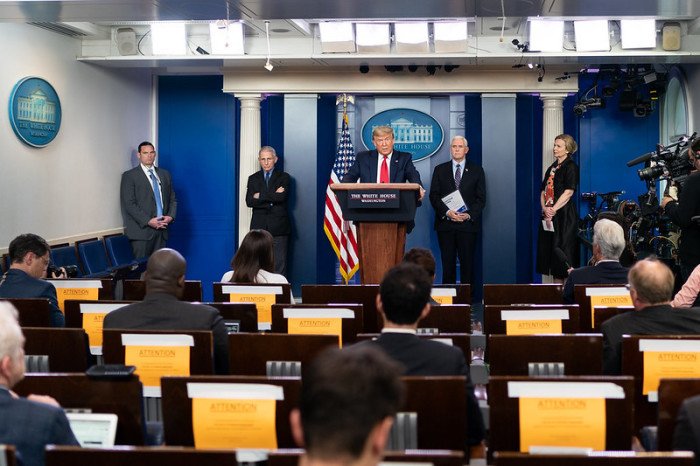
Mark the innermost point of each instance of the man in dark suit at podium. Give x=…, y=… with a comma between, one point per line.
x=403, y=302
x=392, y=167
x=456, y=231
x=608, y=244
x=267, y=194
x=148, y=203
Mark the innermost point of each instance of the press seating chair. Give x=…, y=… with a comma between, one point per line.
x=362, y=294
x=350, y=327
x=645, y=411
x=135, y=290
x=511, y=354
x=248, y=353
x=529, y=293
x=495, y=322
x=78, y=391
x=584, y=301
x=608, y=458
x=93, y=256
x=504, y=432
x=65, y=348
x=120, y=255
x=238, y=317
x=672, y=392
x=66, y=255
x=33, y=312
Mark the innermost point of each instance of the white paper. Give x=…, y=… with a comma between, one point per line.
x=454, y=201
x=547, y=225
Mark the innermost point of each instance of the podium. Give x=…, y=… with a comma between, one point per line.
x=380, y=212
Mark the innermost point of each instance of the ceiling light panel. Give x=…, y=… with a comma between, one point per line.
x=372, y=37
x=592, y=35
x=450, y=36
x=638, y=33
x=546, y=35
x=169, y=39
x=411, y=37
x=227, y=38
x=337, y=36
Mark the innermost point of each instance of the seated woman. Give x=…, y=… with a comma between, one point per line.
x=254, y=261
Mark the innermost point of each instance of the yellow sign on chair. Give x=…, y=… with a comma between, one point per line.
x=262, y=296
x=563, y=414
x=666, y=358
x=76, y=289
x=93, y=317
x=231, y=415
x=541, y=321
x=157, y=355
x=320, y=321
x=443, y=295
x=614, y=296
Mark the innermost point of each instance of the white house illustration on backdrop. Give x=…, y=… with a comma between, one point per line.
x=406, y=132
x=36, y=108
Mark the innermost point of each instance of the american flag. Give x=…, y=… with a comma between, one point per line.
x=341, y=234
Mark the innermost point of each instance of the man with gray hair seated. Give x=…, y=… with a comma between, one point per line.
x=608, y=244
x=27, y=423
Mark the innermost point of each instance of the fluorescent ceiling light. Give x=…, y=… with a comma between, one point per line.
x=169, y=39
x=337, y=36
x=412, y=37
x=450, y=36
x=592, y=35
x=546, y=35
x=227, y=40
x=372, y=37
x=638, y=33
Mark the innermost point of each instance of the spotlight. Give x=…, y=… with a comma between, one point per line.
x=522, y=47
x=412, y=68
x=530, y=65
x=431, y=69
x=364, y=69
x=449, y=68
x=393, y=68
x=585, y=104
x=268, y=66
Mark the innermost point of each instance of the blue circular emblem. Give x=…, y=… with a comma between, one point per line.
x=415, y=132
x=35, y=111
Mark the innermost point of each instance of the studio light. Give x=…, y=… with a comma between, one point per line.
x=364, y=69
x=268, y=65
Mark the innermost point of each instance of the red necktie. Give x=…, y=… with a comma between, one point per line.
x=384, y=174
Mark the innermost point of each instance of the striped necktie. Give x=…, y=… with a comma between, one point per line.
x=458, y=176
x=156, y=193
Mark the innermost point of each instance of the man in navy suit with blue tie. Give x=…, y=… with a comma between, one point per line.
x=392, y=167
x=456, y=231
x=148, y=203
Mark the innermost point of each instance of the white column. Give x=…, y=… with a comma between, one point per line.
x=248, y=161
x=552, y=126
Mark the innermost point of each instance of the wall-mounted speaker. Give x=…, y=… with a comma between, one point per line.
x=126, y=41
x=671, y=33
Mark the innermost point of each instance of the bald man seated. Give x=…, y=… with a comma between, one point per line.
x=651, y=290
x=162, y=308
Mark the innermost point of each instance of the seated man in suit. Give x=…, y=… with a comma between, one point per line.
x=403, y=302
x=29, y=258
x=162, y=309
x=347, y=405
x=608, y=244
x=27, y=423
x=686, y=435
x=651, y=289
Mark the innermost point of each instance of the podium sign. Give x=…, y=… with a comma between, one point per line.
x=381, y=222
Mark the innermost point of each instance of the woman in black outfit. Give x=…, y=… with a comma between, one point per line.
x=558, y=212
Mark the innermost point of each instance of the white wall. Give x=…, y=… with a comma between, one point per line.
x=70, y=188
x=692, y=73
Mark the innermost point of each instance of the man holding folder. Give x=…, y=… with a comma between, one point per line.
x=458, y=195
